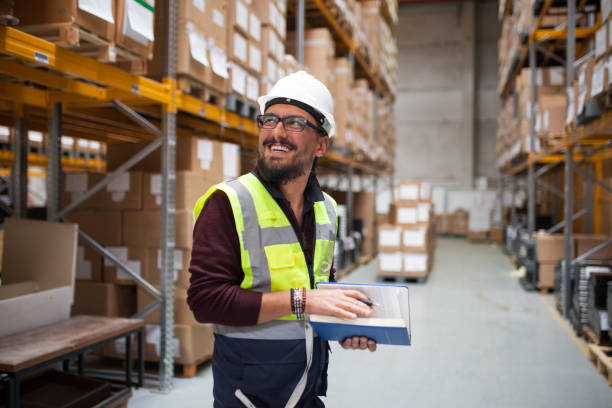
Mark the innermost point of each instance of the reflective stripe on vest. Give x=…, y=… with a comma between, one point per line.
x=271, y=255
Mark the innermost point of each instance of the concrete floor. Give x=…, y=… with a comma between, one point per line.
x=479, y=340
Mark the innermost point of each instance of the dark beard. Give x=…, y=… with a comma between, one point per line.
x=282, y=175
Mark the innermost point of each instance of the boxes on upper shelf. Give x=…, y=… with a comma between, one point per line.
x=135, y=25
x=125, y=192
x=143, y=228
x=318, y=53
x=190, y=185
x=97, y=17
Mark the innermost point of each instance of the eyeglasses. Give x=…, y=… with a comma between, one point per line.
x=291, y=123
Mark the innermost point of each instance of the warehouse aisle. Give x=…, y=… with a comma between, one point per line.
x=479, y=340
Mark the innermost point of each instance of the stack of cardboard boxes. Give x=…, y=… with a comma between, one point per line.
x=125, y=26
x=125, y=218
x=407, y=244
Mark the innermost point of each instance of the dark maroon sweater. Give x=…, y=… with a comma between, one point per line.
x=214, y=294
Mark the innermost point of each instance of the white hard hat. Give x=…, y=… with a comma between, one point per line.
x=306, y=92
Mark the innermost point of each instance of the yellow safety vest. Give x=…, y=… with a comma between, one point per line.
x=271, y=255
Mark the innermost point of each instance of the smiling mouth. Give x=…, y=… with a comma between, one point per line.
x=278, y=147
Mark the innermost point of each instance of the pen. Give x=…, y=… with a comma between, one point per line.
x=368, y=302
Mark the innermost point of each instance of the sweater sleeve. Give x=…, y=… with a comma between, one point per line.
x=214, y=293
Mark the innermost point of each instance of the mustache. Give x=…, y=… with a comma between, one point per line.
x=285, y=141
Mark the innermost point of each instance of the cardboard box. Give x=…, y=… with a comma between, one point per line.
x=192, y=343
x=407, y=191
x=192, y=153
x=443, y=222
x=89, y=263
x=182, y=259
x=459, y=223
x=104, y=226
x=415, y=240
x=404, y=215
x=550, y=247
x=143, y=228
x=97, y=17
x=135, y=259
x=546, y=275
x=364, y=203
x=586, y=242
x=125, y=192
x=182, y=313
x=390, y=263
x=389, y=238
x=272, y=45
x=104, y=299
x=319, y=53
x=52, y=270
x=271, y=15
x=135, y=26
x=416, y=264
x=189, y=187
x=341, y=87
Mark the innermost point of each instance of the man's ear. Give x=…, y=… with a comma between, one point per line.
x=323, y=145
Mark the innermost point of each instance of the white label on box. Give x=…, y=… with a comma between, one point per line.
x=414, y=238
x=425, y=193
x=99, y=8
x=121, y=253
x=156, y=184
x=134, y=266
x=282, y=6
x=409, y=192
x=254, y=58
x=83, y=143
x=118, y=196
x=35, y=136
x=177, y=348
x=83, y=267
x=546, y=120
x=218, y=18
x=138, y=23
x=407, y=215
x=390, y=237
x=67, y=141
x=94, y=145
x=6, y=132
x=391, y=262
x=238, y=79
x=120, y=345
x=200, y=5
x=252, y=88
x=178, y=259
x=272, y=70
x=424, y=209
x=539, y=78
x=218, y=60
x=197, y=44
x=597, y=81
x=153, y=333
x=242, y=15
x=230, y=160
x=538, y=123
x=76, y=183
x=240, y=47
x=415, y=262
x=600, y=41
x=255, y=27
x=120, y=184
x=205, y=154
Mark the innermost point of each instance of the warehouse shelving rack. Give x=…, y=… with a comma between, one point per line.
x=585, y=144
x=48, y=88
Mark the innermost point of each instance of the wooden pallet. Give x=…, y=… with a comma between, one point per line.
x=82, y=41
x=601, y=356
x=591, y=338
x=196, y=88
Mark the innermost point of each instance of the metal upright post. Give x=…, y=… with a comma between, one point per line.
x=19, y=172
x=588, y=199
x=566, y=295
x=54, y=164
x=531, y=180
x=168, y=206
x=512, y=203
x=300, y=22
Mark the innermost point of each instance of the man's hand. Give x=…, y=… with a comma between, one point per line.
x=357, y=342
x=337, y=302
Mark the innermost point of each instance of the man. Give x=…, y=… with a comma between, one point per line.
x=261, y=243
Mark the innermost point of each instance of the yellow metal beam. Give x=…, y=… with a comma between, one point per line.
x=552, y=34
x=24, y=94
x=30, y=48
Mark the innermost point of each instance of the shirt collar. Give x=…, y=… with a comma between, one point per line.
x=312, y=192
